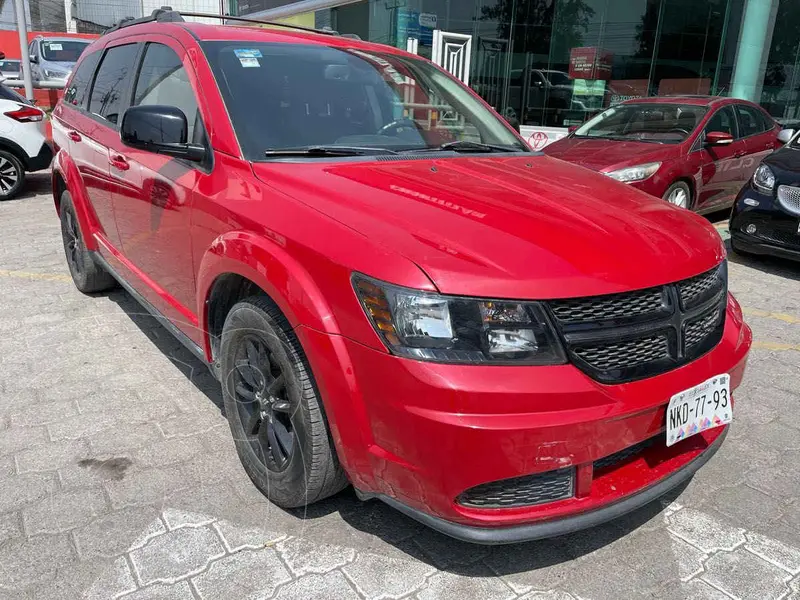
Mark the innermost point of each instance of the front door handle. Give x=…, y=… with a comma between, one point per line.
x=118, y=162
x=74, y=136
x=739, y=154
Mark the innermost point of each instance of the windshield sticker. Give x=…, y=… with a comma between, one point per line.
x=248, y=62
x=54, y=46
x=247, y=53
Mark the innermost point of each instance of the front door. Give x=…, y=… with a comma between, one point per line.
x=153, y=198
x=721, y=165
x=760, y=135
x=453, y=52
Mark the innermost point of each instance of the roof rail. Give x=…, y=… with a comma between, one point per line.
x=165, y=14
x=325, y=31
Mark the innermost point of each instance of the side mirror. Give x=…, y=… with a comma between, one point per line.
x=785, y=135
x=513, y=121
x=159, y=129
x=572, y=129
x=2, y=55
x=34, y=59
x=718, y=138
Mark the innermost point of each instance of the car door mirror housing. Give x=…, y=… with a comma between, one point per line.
x=160, y=129
x=785, y=135
x=33, y=58
x=718, y=138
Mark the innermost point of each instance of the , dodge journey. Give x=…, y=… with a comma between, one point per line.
x=393, y=290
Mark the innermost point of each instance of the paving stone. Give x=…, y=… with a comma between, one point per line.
x=124, y=438
x=7, y=466
x=704, y=532
x=99, y=579
x=689, y=560
x=117, y=532
x=246, y=574
x=217, y=499
x=536, y=565
x=779, y=554
x=748, y=507
x=24, y=562
x=20, y=490
x=167, y=452
x=318, y=587
x=445, y=552
x=52, y=456
x=64, y=510
x=779, y=481
x=150, y=486
x=83, y=425
x=742, y=574
x=42, y=414
x=449, y=586
x=191, y=424
x=177, y=591
x=115, y=581
x=175, y=519
x=305, y=557
x=548, y=595
x=695, y=589
x=10, y=526
x=376, y=577
x=176, y=555
x=88, y=472
x=16, y=439
x=236, y=537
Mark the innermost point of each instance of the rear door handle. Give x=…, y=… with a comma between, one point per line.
x=118, y=162
x=74, y=136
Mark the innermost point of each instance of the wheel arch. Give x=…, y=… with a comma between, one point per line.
x=16, y=150
x=689, y=181
x=65, y=177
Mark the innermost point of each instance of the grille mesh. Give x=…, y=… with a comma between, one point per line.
x=600, y=308
x=697, y=288
x=779, y=236
x=789, y=197
x=623, y=455
x=698, y=330
x=521, y=491
x=607, y=357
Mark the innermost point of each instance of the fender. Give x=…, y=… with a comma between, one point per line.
x=64, y=166
x=267, y=264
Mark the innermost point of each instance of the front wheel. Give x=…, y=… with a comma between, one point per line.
x=679, y=194
x=273, y=407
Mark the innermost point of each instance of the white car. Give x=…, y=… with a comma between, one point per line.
x=23, y=141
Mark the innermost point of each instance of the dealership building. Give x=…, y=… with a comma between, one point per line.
x=553, y=63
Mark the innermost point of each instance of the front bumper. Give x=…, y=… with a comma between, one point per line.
x=418, y=435
x=42, y=160
x=777, y=232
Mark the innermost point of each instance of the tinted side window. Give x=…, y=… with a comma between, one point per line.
x=110, y=84
x=79, y=86
x=751, y=121
x=163, y=80
x=9, y=94
x=723, y=120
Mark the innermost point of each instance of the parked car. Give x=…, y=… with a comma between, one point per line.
x=392, y=289
x=23, y=143
x=766, y=215
x=53, y=58
x=693, y=151
x=10, y=70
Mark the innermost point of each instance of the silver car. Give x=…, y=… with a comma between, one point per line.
x=10, y=70
x=53, y=58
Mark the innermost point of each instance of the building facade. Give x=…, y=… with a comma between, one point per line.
x=554, y=63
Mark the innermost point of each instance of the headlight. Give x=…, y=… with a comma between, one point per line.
x=637, y=173
x=764, y=179
x=51, y=74
x=451, y=329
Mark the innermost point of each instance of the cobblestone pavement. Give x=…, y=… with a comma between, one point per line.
x=118, y=476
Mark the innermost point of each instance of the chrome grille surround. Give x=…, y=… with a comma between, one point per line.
x=641, y=343
x=789, y=199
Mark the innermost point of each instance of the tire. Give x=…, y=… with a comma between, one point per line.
x=679, y=190
x=273, y=407
x=88, y=276
x=12, y=175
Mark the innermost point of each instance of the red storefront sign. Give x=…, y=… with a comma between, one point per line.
x=590, y=63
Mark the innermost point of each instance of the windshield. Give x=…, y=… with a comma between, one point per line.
x=9, y=66
x=63, y=50
x=290, y=96
x=647, y=122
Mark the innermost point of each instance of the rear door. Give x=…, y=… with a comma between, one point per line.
x=760, y=133
x=720, y=166
x=94, y=129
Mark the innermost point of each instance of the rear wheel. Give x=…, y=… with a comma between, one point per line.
x=88, y=276
x=679, y=194
x=273, y=407
x=12, y=175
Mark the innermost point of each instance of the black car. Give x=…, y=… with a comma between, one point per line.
x=766, y=215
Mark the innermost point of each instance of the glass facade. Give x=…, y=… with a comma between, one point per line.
x=555, y=63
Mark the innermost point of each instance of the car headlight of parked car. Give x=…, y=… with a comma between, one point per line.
x=764, y=179
x=451, y=329
x=55, y=74
x=636, y=173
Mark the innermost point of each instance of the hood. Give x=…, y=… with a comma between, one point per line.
x=507, y=227
x=599, y=155
x=785, y=163
x=65, y=65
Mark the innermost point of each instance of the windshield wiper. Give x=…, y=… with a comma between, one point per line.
x=467, y=146
x=314, y=151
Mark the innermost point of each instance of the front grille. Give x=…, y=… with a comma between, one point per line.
x=527, y=490
x=789, y=198
x=619, y=355
x=602, y=308
x=624, y=337
x=623, y=455
x=783, y=237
